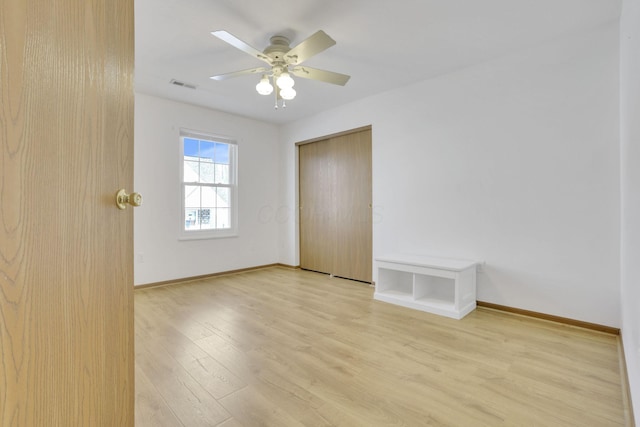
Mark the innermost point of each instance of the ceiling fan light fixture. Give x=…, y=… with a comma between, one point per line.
x=288, y=93
x=283, y=61
x=264, y=87
x=284, y=81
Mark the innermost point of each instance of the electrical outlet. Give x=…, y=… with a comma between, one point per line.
x=140, y=258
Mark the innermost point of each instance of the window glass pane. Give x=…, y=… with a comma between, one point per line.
x=222, y=153
x=191, y=171
x=191, y=196
x=207, y=151
x=190, y=147
x=207, y=163
x=222, y=174
x=190, y=219
x=208, y=197
x=222, y=218
x=204, y=217
x=207, y=173
x=208, y=226
x=223, y=197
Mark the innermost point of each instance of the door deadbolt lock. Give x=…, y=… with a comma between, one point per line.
x=122, y=198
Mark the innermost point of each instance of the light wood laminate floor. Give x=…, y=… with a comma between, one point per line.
x=282, y=347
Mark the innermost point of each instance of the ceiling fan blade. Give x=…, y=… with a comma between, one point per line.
x=239, y=44
x=239, y=73
x=307, y=48
x=321, y=75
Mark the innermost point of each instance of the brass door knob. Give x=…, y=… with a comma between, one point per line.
x=122, y=198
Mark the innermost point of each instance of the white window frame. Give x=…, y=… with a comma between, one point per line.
x=233, y=187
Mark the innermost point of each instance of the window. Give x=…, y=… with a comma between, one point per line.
x=209, y=185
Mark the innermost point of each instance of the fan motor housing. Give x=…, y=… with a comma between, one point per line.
x=279, y=46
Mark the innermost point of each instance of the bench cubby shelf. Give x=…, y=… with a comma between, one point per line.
x=437, y=285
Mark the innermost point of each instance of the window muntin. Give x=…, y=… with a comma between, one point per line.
x=209, y=185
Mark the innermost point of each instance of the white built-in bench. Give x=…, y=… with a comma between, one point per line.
x=438, y=285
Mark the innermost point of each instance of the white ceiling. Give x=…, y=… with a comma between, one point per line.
x=382, y=44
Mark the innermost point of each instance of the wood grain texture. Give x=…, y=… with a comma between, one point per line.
x=295, y=347
x=66, y=129
x=335, y=206
x=317, y=206
x=353, y=258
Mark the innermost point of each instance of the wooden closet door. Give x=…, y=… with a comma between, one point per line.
x=317, y=202
x=352, y=153
x=335, y=200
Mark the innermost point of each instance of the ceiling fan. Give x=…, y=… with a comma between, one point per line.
x=283, y=61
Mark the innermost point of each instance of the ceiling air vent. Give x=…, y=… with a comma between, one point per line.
x=183, y=84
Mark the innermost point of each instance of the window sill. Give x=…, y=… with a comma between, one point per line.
x=203, y=235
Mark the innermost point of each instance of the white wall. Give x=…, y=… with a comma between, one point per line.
x=159, y=255
x=514, y=162
x=630, y=184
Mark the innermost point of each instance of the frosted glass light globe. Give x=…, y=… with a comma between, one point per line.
x=285, y=81
x=288, y=93
x=264, y=87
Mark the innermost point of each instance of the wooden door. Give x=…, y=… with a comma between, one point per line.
x=353, y=206
x=317, y=201
x=66, y=273
x=335, y=205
